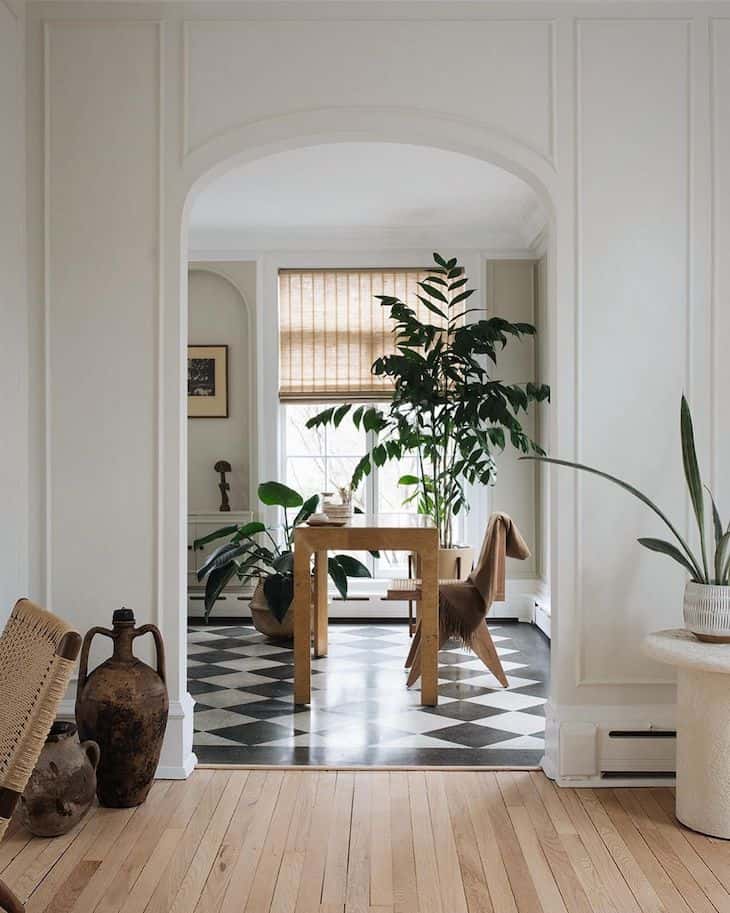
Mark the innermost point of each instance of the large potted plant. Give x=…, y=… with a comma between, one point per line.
x=707, y=593
x=446, y=408
x=270, y=562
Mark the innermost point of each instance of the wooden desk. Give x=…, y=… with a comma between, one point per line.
x=398, y=532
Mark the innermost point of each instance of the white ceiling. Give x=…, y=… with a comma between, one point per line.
x=365, y=194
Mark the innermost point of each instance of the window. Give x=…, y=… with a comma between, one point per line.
x=331, y=330
x=323, y=459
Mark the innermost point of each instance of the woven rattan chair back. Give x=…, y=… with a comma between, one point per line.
x=37, y=655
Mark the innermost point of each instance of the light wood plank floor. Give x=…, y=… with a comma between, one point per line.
x=312, y=841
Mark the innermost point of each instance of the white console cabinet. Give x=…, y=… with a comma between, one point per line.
x=234, y=600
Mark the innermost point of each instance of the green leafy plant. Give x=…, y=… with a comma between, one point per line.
x=244, y=556
x=698, y=567
x=446, y=408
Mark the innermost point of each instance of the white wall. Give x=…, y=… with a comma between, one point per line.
x=543, y=422
x=511, y=294
x=608, y=110
x=14, y=453
x=221, y=303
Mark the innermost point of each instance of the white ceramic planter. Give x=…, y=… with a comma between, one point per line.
x=707, y=612
x=455, y=563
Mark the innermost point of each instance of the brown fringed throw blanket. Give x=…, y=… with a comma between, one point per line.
x=463, y=606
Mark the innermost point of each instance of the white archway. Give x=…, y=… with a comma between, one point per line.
x=202, y=166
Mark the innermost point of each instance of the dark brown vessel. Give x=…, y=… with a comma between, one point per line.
x=123, y=706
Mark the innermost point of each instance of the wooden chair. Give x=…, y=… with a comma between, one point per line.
x=37, y=655
x=481, y=641
x=404, y=587
x=463, y=604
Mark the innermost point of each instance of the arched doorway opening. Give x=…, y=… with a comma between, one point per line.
x=478, y=145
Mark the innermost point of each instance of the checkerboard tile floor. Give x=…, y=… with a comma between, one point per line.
x=361, y=711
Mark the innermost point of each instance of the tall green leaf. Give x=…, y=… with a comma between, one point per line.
x=338, y=575
x=716, y=521
x=697, y=570
x=722, y=560
x=222, y=556
x=431, y=306
x=306, y=511
x=339, y=413
x=433, y=292
x=279, y=592
x=248, y=530
x=666, y=548
x=275, y=494
x=216, y=534
x=214, y=585
x=692, y=475
x=352, y=567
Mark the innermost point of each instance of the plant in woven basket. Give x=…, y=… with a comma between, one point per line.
x=447, y=408
x=254, y=551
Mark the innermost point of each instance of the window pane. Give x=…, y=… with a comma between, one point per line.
x=346, y=440
x=298, y=439
x=339, y=473
x=391, y=495
x=306, y=475
x=390, y=501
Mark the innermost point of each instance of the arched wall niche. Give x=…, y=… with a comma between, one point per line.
x=240, y=451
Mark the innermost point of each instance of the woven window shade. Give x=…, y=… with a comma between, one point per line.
x=331, y=330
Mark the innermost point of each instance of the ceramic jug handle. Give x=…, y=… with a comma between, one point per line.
x=159, y=647
x=84, y=661
x=93, y=752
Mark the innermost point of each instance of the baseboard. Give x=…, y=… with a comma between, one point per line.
x=609, y=746
x=181, y=772
x=372, y=606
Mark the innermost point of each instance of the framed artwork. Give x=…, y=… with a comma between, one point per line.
x=207, y=381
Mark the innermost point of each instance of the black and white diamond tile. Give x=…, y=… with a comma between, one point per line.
x=361, y=711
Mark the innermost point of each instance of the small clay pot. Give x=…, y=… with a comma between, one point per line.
x=63, y=784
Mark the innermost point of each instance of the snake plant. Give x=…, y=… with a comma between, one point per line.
x=712, y=570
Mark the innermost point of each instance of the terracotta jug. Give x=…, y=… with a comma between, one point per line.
x=123, y=706
x=63, y=783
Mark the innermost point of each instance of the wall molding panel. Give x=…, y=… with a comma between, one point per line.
x=15, y=456
x=80, y=296
x=224, y=112
x=719, y=278
x=613, y=99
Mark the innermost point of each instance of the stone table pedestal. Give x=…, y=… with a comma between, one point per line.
x=703, y=727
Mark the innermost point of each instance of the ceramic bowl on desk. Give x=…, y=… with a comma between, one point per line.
x=325, y=520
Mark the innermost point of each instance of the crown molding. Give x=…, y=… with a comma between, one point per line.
x=364, y=238
x=222, y=255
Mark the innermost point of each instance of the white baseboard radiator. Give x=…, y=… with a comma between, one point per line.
x=594, y=755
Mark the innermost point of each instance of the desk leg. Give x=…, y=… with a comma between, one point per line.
x=321, y=578
x=429, y=627
x=302, y=607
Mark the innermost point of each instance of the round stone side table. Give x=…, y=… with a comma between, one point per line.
x=703, y=727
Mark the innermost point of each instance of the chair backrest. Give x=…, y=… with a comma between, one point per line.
x=501, y=540
x=38, y=652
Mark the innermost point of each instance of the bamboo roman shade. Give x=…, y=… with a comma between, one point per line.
x=331, y=330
